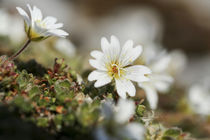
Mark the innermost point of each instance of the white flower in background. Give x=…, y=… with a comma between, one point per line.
x=65, y=47
x=114, y=63
x=199, y=98
x=143, y=25
x=125, y=109
x=11, y=27
x=178, y=62
x=37, y=27
x=118, y=127
x=5, y=20
x=160, y=80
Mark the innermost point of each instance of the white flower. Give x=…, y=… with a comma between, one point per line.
x=65, y=47
x=38, y=27
x=113, y=63
x=118, y=117
x=160, y=80
x=178, y=62
x=199, y=98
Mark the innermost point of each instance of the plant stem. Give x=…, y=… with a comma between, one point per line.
x=21, y=50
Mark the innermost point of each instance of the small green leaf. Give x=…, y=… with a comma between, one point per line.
x=140, y=109
x=172, y=132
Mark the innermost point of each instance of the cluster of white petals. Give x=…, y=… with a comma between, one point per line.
x=118, y=117
x=38, y=27
x=160, y=79
x=115, y=63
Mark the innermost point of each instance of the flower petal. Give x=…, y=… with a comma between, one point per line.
x=161, y=64
x=97, y=54
x=115, y=43
x=57, y=32
x=103, y=81
x=54, y=26
x=129, y=54
x=37, y=14
x=97, y=64
x=38, y=31
x=137, y=73
x=111, y=50
x=49, y=20
x=95, y=75
x=151, y=94
x=24, y=15
x=115, y=48
x=162, y=82
x=101, y=77
x=124, y=86
x=104, y=44
x=31, y=13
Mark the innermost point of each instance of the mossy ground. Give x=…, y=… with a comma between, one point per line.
x=39, y=103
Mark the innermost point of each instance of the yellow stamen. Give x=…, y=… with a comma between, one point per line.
x=115, y=71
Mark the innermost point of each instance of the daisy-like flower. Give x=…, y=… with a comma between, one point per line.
x=115, y=63
x=37, y=27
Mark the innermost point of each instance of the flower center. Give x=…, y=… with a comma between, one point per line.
x=115, y=71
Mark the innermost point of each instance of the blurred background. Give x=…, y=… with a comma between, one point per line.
x=182, y=25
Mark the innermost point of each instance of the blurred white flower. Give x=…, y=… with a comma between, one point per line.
x=113, y=63
x=199, y=98
x=121, y=113
x=11, y=27
x=125, y=109
x=141, y=24
x=177, y=63
x=38, y=28
x=65, y=47
x=118, y=127
x=4, y=19
x=160, y=80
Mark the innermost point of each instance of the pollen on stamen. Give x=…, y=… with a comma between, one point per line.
x=115, y=69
